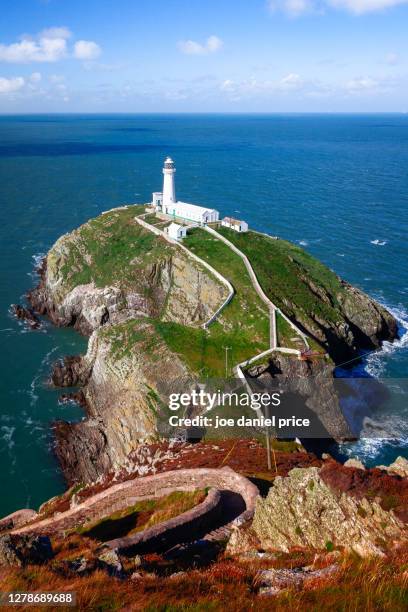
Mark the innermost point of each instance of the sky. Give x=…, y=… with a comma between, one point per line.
x=102, y=56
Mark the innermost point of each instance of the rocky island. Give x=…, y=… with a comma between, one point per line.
x=143, y=301
x=140, y=509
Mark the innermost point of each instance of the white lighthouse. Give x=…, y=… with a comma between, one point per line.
x=165, y=202
x=169, y=185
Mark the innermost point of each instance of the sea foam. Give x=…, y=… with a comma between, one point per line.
x=375, y=363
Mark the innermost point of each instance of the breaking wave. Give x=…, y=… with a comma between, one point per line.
x=376, y=362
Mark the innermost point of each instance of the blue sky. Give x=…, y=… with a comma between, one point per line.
x=204, y=55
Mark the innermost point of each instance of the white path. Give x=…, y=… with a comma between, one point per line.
x=272, y=308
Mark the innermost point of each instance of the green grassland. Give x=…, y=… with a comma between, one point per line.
x=295, y=281
x=115, y=248
x=110, y=249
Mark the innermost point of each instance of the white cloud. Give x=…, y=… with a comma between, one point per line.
x=26, y=51
x=50, y=45
x=57, y=32
x=392, y=59
x=291, y=82
x=86, y=50
x=294, y=85
x=295, y=8
x=191, y=47
x=365, y=6
x=11, y=85
x=35, y=77
x=362, y=84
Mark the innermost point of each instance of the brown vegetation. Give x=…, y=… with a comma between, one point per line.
x=228, y=584
x=391, y=490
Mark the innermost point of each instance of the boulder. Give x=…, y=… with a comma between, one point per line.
x=302, y=510
x=273, y=581
x=109, y=560
x=355, y=463
x=399, y=467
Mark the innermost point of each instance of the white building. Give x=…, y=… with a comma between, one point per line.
x=166, y=202
x=176, y=231
x=235, y=224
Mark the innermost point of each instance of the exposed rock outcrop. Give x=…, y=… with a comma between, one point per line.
x=126, y=396
x=399, y=467
x=302, y=510
x=308, y=385
x=27, y=315
x=24, y=549
x=85, y=283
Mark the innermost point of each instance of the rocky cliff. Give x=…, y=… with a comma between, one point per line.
x=339, y=316
x=110, y=279
x=142, y=300
x=302, y=510
x=127, y=375
x=111, y=270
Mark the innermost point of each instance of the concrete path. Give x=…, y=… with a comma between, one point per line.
x=273, y=309
x=203, y=263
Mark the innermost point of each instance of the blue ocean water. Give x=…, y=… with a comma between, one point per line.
x=335, y=184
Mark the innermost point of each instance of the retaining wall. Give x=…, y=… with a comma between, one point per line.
x=125, y=494
x=206, y=265
x=188, y=526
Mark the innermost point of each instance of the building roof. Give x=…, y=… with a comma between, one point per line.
x=175, y=226
x=232, y=221
x=198, y=209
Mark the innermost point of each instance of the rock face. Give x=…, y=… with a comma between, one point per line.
x=301, y=510
x=362, y=323
x=399, y=467
x=86, y=283
x=100, y=278
x=308, y=384
x=126, y=397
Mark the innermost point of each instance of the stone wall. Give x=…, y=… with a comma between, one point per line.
x=189, y=525
x=123, y=495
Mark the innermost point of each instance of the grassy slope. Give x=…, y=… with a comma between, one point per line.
x=282, y=268
x=114, y=246
x=244, y=324
x=142, y=515
x=372, y=584
x=111, y=248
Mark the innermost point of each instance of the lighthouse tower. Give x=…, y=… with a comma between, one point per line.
x=169, y=187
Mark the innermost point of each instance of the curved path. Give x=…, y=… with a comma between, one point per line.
x=227, y=487
x=203, y=263
x=272, y=308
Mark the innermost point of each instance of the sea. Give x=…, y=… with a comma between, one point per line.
x=335, y=184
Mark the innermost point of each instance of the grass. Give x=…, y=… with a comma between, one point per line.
x=295, y=281
x=372, y=585
x=142, y=515
x=110, y=248
x=244, y=323
x=286, y=335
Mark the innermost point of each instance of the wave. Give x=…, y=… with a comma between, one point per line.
x=376, y=362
